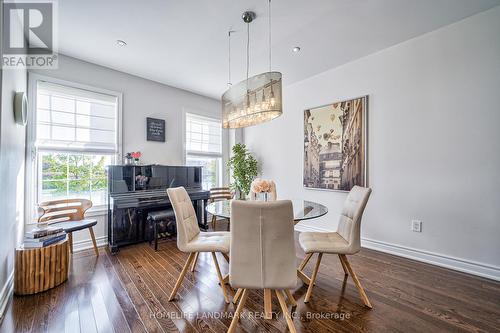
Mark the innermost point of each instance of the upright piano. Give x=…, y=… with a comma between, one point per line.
x=134, y=191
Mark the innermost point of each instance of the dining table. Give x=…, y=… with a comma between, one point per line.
x=302, y=210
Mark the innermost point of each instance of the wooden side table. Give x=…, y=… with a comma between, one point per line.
x=40, y=269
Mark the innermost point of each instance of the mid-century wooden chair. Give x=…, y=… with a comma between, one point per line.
x=68, y=214
x=345, y=241
x=193, y=241
x=219, y=194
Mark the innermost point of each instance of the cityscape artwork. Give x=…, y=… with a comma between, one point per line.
x=335, y=145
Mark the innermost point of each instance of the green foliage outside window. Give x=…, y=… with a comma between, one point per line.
x=70, y=175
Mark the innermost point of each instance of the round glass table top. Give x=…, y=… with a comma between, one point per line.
x=302, y=209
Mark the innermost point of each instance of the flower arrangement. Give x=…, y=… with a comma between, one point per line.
x=133, y=157
x=261, y=186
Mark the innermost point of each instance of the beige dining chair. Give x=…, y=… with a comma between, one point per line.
x=346, y=241
x=216, y=194
x=262, y=253
x=191, y=240
x=273, y=195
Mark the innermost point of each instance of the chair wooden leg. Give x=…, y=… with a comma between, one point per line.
x=343, y=265
x=362, y=292
x=226, y=257
x=237, y=295
x=195, y=260
x=221, y=279
x=268, y=304
x=91, y=230
x=181, y=277
x=238, y=311
x=303, y=277
x=70, y=240
x=305, y=261
x=214, y=222
x=313, y=278
x=289, y=295
x=284, y=309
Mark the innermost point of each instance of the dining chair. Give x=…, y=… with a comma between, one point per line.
x=219, y=194
x=68, y=214
x=273, y=196
x=191, y=240
x=346, y=241
x=262, y=253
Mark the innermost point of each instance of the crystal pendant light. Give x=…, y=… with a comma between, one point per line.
x=256, y=99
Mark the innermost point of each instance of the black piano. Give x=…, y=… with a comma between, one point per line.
x=134, y=191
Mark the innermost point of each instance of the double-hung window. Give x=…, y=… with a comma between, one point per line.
x=74, y=137
x=204, y=147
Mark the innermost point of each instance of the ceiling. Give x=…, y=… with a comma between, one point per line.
x=184, y=43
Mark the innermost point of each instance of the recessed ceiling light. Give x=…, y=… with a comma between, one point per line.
x=296, y=49
x=121, y=42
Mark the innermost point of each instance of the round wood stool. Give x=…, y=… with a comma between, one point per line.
x=40, y=269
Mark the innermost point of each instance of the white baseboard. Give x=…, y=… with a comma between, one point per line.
x=87, y=243
x=458, y=264
x=5, y=294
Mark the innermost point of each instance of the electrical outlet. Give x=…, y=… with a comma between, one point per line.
x=416, y=226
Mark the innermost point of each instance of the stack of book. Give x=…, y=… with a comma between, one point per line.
x=41, y=237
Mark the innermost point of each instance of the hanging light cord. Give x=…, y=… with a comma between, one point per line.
x=269, y=35
x=229, y=57
x=248, y=49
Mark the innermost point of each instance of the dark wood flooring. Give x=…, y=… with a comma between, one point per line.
x=128, y=292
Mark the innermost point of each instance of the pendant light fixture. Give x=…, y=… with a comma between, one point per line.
x=256, y=99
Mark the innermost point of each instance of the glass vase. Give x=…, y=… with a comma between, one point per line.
x=262, y=196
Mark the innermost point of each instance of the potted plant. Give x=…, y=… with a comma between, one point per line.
x=243, y=167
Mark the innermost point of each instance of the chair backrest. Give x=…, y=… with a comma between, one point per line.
x=262, y=248
x=272, y=194
x=220, y=193
x=349, y=226
x=63, y=210
x=185, y=216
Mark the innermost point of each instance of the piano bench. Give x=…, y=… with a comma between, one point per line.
x=158, y=218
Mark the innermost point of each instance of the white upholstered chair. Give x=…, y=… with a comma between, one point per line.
x=344, y=242
x=273, y=196
x=191, y=240
x=262, y=253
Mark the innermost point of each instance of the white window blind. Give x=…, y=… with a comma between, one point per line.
x=203, y=135
x=72, y=119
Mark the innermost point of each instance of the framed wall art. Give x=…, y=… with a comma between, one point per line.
x=335, y=149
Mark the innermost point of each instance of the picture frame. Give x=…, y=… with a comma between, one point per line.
x=335, y=145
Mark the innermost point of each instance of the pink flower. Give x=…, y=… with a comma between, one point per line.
x=261, y=185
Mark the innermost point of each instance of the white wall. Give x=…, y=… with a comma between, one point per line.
x=434, y=154
x=141, y=98
x=12, y=140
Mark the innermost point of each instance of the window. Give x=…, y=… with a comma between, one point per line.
x=76, y=135
x=204, y=147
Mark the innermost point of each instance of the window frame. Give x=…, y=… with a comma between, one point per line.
x=222, y=176
x=32, y=179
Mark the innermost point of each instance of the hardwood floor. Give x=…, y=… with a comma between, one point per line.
x=128, y=292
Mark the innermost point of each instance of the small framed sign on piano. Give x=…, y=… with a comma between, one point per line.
x=155, y=129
